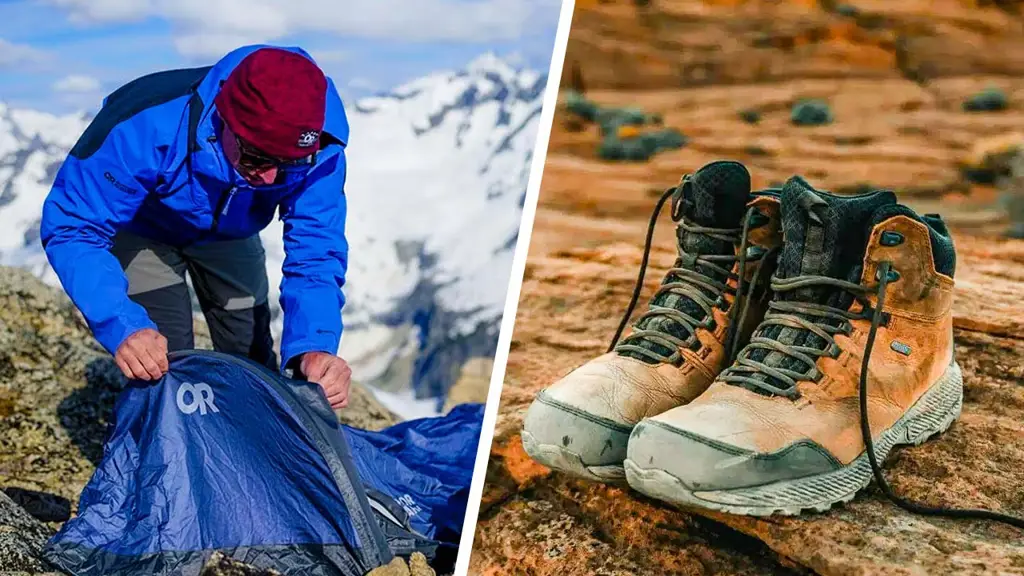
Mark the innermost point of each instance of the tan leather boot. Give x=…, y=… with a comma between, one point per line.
x=581, y=423
x=781, y=429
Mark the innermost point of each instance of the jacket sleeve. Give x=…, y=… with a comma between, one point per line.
x=98, y=188
x=315, y=263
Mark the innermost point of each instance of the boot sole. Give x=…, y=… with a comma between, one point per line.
x=563, y=460
x=931, y=415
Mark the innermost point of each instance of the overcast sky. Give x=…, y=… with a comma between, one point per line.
x=64, y=55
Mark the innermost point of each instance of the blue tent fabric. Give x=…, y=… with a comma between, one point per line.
x=425, y=465
x=223, y=454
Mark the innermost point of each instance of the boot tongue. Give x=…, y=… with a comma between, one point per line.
x=716, y=196
x=825, y=235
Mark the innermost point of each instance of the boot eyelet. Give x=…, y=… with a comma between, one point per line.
x=758, y=218
x=893, y=275
x=694, y=344
x=890, y=238
x=834, y=351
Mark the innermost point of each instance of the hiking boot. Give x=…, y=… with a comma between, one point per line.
x=581, y=423
x=781, y=429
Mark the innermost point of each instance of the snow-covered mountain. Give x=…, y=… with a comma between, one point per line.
x=437, y=177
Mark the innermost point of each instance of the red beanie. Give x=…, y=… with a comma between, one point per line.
x=275, y=101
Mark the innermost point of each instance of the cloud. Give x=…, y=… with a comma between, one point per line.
x=85, y=11
x=206, y=45
x=209, y=28
x=516, y=59
x=77, y=83
x=360, y=83
x=12, y=54
x=330, y=56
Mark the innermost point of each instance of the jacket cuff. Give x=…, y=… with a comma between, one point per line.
x=112, y=336
x=291, y=352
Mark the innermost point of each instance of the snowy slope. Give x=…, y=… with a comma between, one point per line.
x=437, y=176
x=32, y=147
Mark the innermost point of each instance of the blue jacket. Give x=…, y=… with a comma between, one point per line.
x=150, y=163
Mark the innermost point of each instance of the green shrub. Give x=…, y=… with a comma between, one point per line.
x=636, y=150
x=631, y=149
x=665, y=139
x=640, y=148
x=811, y=112
x=610, y=119
x=750, y=116
x=580, y=106
x=847, y=10
x=988, y=100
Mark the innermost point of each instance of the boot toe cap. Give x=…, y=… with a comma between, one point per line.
x=556, y=424
x=701, y=463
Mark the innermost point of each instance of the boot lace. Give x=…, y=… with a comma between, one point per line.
x=786, y=314
x=690, y=281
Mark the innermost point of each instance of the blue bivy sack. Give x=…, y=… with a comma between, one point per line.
x=425, y=465
x=224, y=455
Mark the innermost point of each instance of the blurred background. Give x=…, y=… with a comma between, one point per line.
x=443, y=98
x=923, y=97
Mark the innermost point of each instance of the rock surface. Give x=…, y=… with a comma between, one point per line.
x=221, y=565
x=21, y=538
x=534, y=521
x=669, y=44
x=472, y=385
x=365, y=411
x=890, y=130
x=416, y=566
x=56, y=390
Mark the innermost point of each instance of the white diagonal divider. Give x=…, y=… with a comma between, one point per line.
x=514, y=287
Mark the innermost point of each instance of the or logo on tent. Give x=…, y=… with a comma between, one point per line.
x=201, y=398
x=410, y=505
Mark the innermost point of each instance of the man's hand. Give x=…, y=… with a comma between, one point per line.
x=143, y=355
x=331, y=373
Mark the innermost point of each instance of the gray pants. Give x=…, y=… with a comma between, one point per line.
x=230, y=280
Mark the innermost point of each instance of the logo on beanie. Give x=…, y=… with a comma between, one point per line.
x=308, y=138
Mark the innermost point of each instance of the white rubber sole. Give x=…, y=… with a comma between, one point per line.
x=561, y=459
x=932, y=414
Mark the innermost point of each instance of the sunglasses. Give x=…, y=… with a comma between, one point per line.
x=254, y=160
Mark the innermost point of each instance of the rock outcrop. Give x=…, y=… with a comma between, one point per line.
x=538, y=522
x=416, y=566
x=21, y=538
x=472, y=385
x=669, y=44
